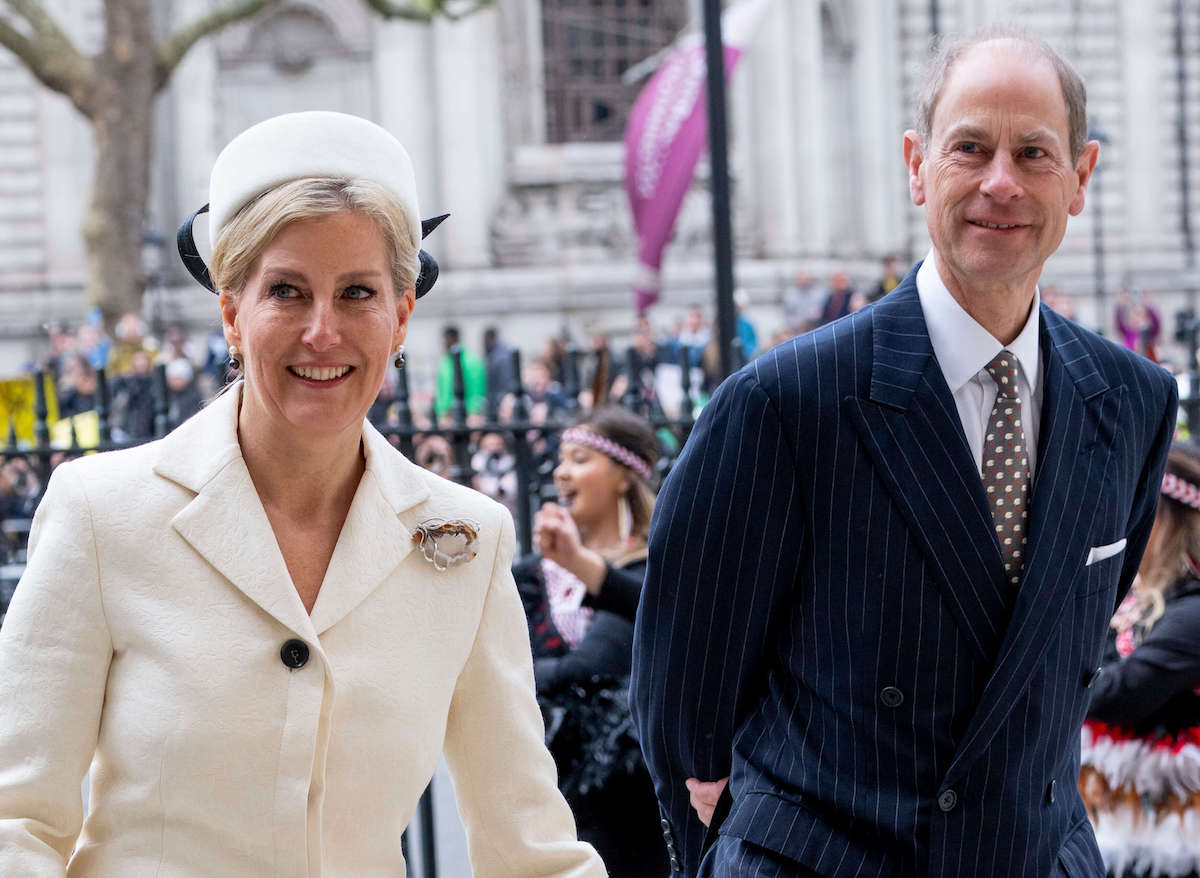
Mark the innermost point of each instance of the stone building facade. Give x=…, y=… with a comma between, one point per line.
x=541, y=237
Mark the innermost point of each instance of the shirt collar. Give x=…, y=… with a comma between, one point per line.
x=961, y=345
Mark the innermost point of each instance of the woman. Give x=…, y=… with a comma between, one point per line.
x=581, y=593
x=1141, y=753
x=264, y=630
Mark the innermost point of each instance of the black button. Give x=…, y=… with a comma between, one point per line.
x=1092, y=677
x=676, y=866
x=294, y=654
x=671, y=850
x=947, y=800
x=665, y=824
x=891, y=697
x=1050, y=791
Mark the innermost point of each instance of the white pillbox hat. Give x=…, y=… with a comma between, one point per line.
x=310, y=144
x=300, y=145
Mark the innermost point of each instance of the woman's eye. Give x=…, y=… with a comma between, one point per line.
x=284, y=291
x=359, y=292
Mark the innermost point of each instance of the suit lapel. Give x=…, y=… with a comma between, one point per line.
x=1080, y=417
x=910, y=427
x=374, y=539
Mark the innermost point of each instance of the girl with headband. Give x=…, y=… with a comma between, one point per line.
x=263, y=631
x=581, y=592
x=1141, y=740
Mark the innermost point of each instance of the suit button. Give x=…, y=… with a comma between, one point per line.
x=294, y=654
x=891, y=696
x=1050, y=791
x=676, y=866
x=1092, y=677
x=665, y=824
x=947, y=800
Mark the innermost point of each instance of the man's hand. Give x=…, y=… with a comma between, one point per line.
x=704, y=795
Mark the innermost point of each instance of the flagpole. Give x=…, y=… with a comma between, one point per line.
x=718, y=146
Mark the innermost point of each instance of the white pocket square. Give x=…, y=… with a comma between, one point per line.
x=1099, y=553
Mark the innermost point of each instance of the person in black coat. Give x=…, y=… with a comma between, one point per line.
x=581, y=592
x=1141, y=741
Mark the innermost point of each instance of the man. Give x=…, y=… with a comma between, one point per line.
x=890, y=279
x=837, y=303
x=498, y=357
x=881, y=571
x=474, y=376
x=802, y=303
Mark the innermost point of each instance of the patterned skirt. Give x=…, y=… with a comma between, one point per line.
x=1143, y=795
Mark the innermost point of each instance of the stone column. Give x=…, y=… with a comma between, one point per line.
x=766, y=113
x=191, y=146
x=1144, y=131
x=807, y=134
x=405, y=101
x=877, y=75
x=465, y=107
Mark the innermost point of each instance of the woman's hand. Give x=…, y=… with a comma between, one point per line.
x=556, y=537
x=704, y=795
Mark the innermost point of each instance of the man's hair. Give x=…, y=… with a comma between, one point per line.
x=255, y=226
x=946, y=52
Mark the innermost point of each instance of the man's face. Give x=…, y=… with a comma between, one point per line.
x=996, y=178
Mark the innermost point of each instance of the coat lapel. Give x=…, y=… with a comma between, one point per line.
x=910, y=427
x=374, y=539
x=226, y=524
x=1080, y=417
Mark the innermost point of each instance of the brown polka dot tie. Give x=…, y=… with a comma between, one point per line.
x=1006, y=465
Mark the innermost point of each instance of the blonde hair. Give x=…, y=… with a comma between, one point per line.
x=254, y=226
x=1175, y=537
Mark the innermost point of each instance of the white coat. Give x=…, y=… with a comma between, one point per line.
x=145, y=640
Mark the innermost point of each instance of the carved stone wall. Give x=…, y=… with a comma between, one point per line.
x=817, y=110
x=303, y=55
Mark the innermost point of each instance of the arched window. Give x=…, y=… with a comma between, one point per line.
x=587, y=46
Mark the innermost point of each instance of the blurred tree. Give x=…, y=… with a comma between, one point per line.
x=115, y=89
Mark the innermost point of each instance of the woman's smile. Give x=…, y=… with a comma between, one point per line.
x=318, y=313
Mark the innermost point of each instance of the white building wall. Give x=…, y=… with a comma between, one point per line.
x=540, y=233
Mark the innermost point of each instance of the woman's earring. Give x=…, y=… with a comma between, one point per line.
x=400, y=358
x=235, y=358
x=625, y=519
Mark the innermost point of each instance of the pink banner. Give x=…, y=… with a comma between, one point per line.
x=666, y=133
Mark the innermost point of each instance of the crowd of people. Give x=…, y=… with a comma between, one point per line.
x=855, y=631
x=194, y=372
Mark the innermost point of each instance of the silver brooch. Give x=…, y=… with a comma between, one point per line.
x=446, y=543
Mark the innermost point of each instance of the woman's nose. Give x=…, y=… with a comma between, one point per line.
x=322, y=331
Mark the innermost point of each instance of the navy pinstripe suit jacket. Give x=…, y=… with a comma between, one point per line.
x=825, y=537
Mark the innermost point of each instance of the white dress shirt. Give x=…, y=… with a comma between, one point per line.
x=963, y=348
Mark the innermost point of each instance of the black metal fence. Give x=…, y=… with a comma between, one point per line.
x=521, y=475
x=450, y=441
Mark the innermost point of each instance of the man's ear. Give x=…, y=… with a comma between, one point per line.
x=914, y=159
x=1083, y=173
